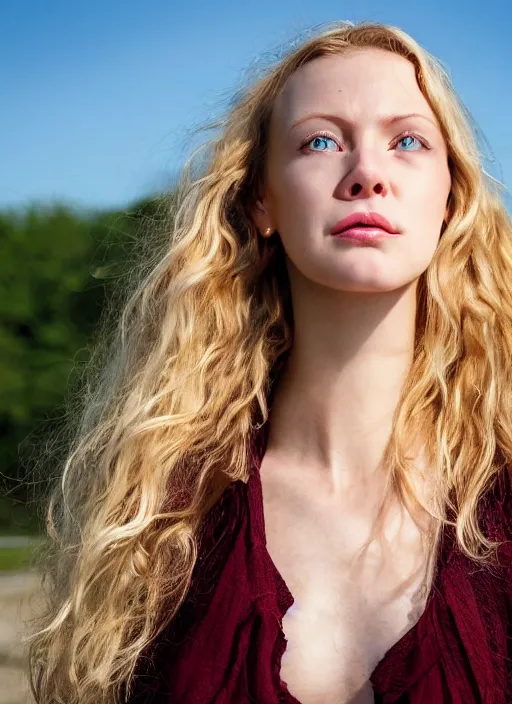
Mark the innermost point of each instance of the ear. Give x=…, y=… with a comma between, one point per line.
x=261, y=216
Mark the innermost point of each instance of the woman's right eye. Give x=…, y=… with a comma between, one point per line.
x=317, y=141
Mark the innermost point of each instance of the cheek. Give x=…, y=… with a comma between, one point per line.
x=297, y=190
x=425, y=199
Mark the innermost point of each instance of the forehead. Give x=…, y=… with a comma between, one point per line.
x=355, y=85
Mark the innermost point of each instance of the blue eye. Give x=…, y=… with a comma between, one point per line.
x=411, y=137
x=319, y=139
x=411, y=143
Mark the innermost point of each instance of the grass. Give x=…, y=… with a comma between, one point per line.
x=12, y=559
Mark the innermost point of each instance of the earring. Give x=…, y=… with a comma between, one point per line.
x=268, y=232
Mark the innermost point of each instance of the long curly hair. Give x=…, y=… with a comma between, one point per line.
x=184, y=362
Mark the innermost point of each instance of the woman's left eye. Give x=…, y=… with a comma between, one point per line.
x=412, y=141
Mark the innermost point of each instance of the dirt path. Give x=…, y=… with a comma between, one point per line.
x=18, y=594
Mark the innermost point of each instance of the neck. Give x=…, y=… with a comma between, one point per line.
x=334, y=401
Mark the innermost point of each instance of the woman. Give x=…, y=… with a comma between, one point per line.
x=343, y=262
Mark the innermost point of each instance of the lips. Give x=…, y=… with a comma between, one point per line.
x=364, y=219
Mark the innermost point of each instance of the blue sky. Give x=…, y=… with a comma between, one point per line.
x=99, y=97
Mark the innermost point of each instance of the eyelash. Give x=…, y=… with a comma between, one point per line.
x=397, y=139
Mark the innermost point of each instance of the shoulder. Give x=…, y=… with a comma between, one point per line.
x=495, y=510
x=472, y=608
x=221, y=523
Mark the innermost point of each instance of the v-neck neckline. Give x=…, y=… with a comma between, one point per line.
x=398, y=668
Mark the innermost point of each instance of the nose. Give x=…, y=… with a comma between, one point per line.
x=364, y=180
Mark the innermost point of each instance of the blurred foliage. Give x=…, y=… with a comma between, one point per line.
x=15, y=558
x=57, y=266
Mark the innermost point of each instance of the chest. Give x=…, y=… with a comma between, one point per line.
x=349, y=607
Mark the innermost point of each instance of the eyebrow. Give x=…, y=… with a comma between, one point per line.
x=385, y=120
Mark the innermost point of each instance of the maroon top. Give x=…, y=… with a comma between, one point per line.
x=225, y=645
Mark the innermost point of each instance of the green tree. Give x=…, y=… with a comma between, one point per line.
x=59, y=268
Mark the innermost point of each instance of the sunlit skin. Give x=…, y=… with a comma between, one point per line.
x=354, y=313
x=354, y=306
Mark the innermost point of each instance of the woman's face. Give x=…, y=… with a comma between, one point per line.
x=360, y=163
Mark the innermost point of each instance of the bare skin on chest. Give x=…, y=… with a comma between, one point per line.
x=348, y=610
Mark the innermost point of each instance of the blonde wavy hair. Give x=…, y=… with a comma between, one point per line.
x=178, y=377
